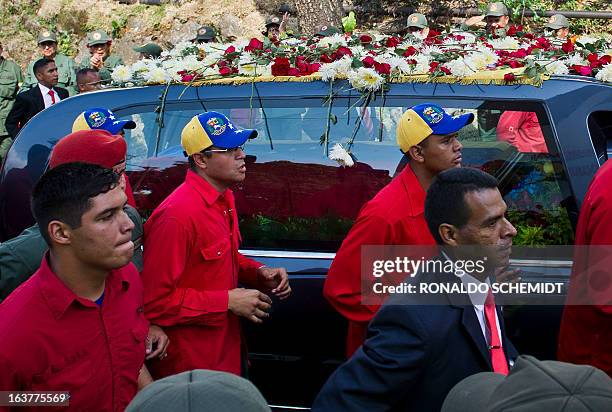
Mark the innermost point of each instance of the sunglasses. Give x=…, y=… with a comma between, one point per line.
x=230, y=150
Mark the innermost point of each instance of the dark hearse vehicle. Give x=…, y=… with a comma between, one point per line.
x=296, y=205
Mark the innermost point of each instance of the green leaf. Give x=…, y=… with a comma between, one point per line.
x=333, y=118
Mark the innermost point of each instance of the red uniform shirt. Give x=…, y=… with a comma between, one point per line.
x=586, y=330
x=53, y=340
x=522, y=130
x=395, y=216
x=191, y=261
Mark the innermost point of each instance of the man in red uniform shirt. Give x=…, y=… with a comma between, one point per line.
x=191, y=262
x=428, y=138
x=78, y=324
x=522, y=130
x=586, y=325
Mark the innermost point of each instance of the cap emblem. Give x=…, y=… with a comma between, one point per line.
x=202, y=31
x=414, y=19
x=215, y=126
x=323, y=28
x=96, y=119
x=433, y=114
x=96, y=36
x=493, y=7
x=46, y=34
x=274, y=20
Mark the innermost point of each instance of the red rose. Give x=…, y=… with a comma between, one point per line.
x=225, y=71
x=433, y=33
x=365, y=39
x=221, y=63
x=314, y=67
x=445, y=70
x=511, y=31
x=606, y=59
x=529, y=36
x=368, y=61
x=582, y=70
x=519, y=54
x=343, y=51
x=280, y=67
x=187, y=78
x=459, y=37
x=592, y=57
x=293, y=72
x=514, y=64
x=392, y=42
x=411, y=61
x=382, y=68
x=509, y=77
x=433, y=66
x=409, y=52
x=568, y=46
x=325, y=58
x=230, y=49
x=254, y=44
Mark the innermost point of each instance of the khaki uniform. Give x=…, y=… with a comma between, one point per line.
x=110, y=63
x=10, y=79
x=65, y=70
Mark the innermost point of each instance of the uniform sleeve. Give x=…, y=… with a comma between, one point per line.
x=167, y=246
x=248, y=270
x=72, y=85
x=19, y=74
x=29, y=81
x=343, y=283
x=379, y=374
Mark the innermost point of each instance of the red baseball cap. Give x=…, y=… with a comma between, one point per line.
x=97, y=147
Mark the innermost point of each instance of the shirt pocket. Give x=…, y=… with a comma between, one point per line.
x=215, y=251
x=65, y=378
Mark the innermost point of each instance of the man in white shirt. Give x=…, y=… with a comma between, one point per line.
x=420, y=344
x=44, y=95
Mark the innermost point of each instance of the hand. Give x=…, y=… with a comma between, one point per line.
x=249, y=303
x=96, y=62
x=283, y=26
x=507, y=275
x=275, y=280
x=156, y=339
x=476, y=21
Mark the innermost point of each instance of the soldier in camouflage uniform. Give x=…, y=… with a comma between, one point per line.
x=101, y=59
x=10, y=79
x=47, y=44
x=559, y=26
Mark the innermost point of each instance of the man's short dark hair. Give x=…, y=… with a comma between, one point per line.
x=41, y=64
x=82, y=73
x=64, y=193
x=445, y=201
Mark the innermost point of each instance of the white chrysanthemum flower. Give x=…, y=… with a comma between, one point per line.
x=121, y=74
x=419, y=35
x=247, y=67
x=179, y=49
x=449, y=41
x=555, y=67
x=397, y=64
x=365, y=79
x=190, y=63
x=605, y=73
x=292, y=41
x=156, y=76
x=575, y=59
x=359, y=51
x=505, y=43
x=409, y=43
x=459, y=68
x=422, y=65
x=330, y=71
x=340, y=155
x=584, y=40
x=333, y=41
x=141, y=66
x=430, y=50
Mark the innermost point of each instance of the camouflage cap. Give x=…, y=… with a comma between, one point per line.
x=47, y=35
x=273, y=21
x=496, y=9
x=205, y=33
x=150, y=49
x=97, y=37
x=325, y=31
x=557, y=21
x=417, y=20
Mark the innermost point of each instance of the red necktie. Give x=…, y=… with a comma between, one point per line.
x=52, y=94
x=498, y=358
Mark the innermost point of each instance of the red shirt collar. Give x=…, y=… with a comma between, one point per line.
x=59, y=297
x=205, y=189
x=414, y=191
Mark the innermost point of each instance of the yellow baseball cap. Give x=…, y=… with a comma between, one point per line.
x=423, y=120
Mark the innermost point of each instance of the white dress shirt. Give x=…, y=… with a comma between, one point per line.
x=47, y=97
x=478, y=300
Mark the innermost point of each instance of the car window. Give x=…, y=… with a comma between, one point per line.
x=600, y=129
x=296, y=198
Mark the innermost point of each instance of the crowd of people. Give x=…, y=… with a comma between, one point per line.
x=148, y=317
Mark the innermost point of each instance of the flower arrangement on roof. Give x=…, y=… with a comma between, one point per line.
x=369, y=61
